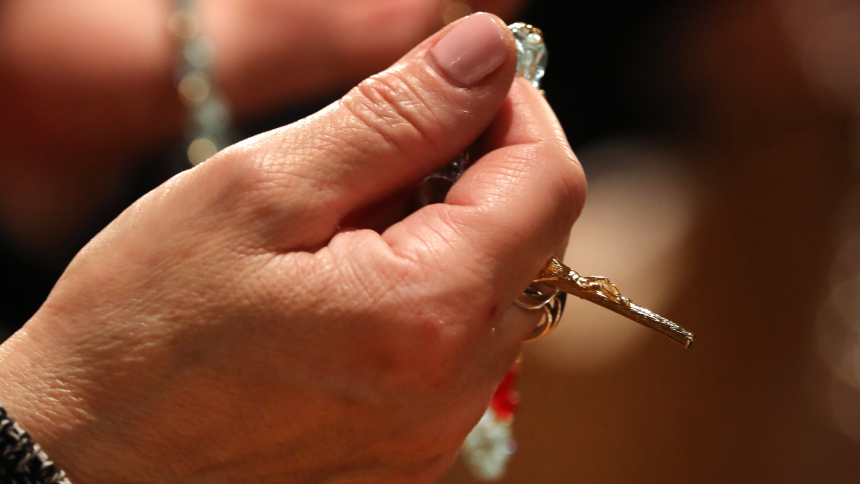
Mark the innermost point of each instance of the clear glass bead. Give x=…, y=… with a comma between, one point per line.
x=531, y=52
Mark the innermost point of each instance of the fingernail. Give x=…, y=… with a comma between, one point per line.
x=472, y=50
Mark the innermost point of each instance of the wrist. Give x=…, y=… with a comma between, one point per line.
x=38, y=393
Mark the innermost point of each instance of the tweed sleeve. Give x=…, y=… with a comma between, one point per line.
x=22, y=461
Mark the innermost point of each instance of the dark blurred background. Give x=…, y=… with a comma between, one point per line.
x=721, y=141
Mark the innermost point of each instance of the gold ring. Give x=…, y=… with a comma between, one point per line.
x=552, y=316
x=536, y=296
x=551, y=300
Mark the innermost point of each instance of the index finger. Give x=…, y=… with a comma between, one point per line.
x=506, y=215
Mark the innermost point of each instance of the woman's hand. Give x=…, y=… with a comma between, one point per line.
x=230, y=327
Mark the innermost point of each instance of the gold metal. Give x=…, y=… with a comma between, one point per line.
x=553, y=310
x=536, y=296
x=600, y=291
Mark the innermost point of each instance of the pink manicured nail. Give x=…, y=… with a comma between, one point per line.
x=472, y=50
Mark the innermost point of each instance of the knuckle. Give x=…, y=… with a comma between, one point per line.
x=447, y=334
x=393, y=106
x=239, y=174
x=262, y=196
x=427, y=346
x=276, y=160
x=570, y=186
x=254, y=188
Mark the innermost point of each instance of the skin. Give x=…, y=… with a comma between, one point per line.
x=86, y=86
x=229, y=327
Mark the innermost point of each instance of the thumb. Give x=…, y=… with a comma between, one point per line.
x=392, y=129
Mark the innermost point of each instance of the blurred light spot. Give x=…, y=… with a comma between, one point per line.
x=200, y=150
x=195, y=87
x=198, y=53
x=212, y=116
x=838, y=324
x=184, y=25
x=838, y=332
x=845, y=411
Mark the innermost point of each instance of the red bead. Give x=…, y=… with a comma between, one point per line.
x=506, y=398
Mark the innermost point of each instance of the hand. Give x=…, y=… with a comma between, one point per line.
x=229, y=328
